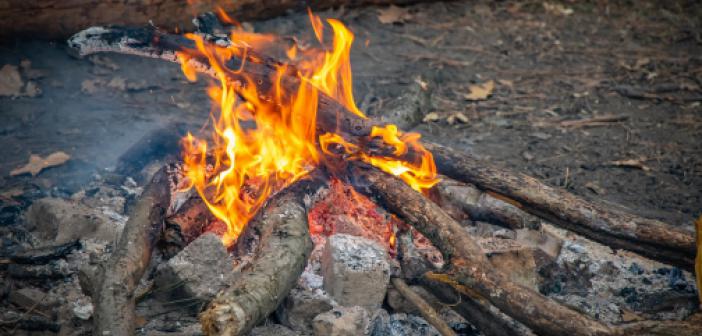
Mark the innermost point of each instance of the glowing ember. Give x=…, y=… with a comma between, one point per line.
x=263, y=138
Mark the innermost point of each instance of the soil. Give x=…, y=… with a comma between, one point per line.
x=555, y=67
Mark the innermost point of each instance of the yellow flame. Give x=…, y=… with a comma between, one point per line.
x=263, y=139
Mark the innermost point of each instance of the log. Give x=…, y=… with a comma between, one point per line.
x=185, y=225
x=484, y=316
x=114, y=283
x=482, y=206
x=651, y=238
x=427, y=311
x=468, y=265
x=612, y=227
x=41, y=255
x=59, y=19
x=284, y=247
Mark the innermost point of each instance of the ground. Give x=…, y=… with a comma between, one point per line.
x=554, y=66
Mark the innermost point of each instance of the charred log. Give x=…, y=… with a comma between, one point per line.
x=114, y=283
x=284, y=247
x=41, y=255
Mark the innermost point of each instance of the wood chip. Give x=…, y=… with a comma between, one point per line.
x=431, y=117
x=480, y=91
x=36, y=163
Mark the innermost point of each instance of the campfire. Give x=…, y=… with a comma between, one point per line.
x=312, y=212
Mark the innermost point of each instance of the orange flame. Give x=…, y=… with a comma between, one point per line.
x=263, y=139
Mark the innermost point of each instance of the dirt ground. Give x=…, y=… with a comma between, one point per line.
x=597, y=97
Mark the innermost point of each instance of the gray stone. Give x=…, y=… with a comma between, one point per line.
x=58, y=221
x=356, y=271
x=197, y=272
x=272, y=330
x=301, y=306
x=406, y=325
x=342, y=321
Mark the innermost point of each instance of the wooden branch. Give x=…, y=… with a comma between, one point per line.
x=115, y=282
x=482, y=206
x=484, y=316
x=52, y=19
x=284, y=247
x=429, y=314
x=468, y=265
x=618, y=229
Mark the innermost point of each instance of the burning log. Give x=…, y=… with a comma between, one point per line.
x=112, y=287
x=284, y=246
x=616, y=228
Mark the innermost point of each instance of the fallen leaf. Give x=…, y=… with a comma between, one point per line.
x=10, y=81
x=393, y=14
x=506, y=82
x=431, y=117
x=91, y=85
x=118, y=83
x=422, y=84
x=36, y=163
x=480, y=91
x=558, y=9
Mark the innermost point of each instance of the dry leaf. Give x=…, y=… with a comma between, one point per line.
x=480, y=91
x=393, y=14
x=431, y=117
x=506, y=82
x=36, y=163
x=422, y=84
x=10, y=81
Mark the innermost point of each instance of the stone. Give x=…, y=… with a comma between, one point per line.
x=399, y=303
x=406, y=325
x=301, y=306
x=272, y=330
x=342, y=321
x=58, y=221
x=356, y=271
x=197, y=272
x=515, y=260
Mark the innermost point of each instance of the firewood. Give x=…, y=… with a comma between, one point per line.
x=284, y=247
x=42, y=254
x=112, y=287
x=43, y=19
x=607, y=225
x=468, y=266
x=424, y=308
x=482, y=206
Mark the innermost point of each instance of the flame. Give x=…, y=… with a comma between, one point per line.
x=264, y=137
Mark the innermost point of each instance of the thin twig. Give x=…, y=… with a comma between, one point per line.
x=424, y=308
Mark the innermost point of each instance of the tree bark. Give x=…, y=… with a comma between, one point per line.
x=59, y=19
x=284, y=247
x=115, y=282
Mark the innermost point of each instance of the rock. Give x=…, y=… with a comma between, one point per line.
x=515, y=260
x=406, y=325
x=400, y=305
x=198, y=272
x=59, y=221
x=342, y=321
x=301, y=306
x=83, y=309
x=356, y=271
x=272, y=330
